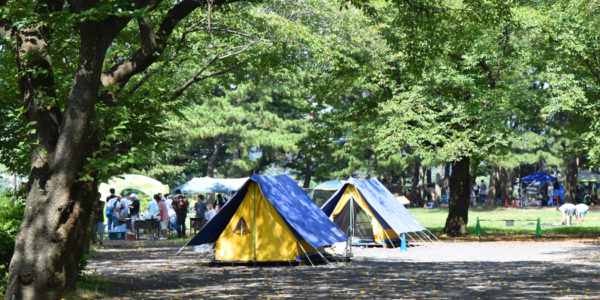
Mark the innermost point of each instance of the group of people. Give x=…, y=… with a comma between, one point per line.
x=119, y=207
x=570, y=210
x=478, y=194
x=171, y=212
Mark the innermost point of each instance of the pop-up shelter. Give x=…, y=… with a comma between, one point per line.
x=364, y=209
x=269, y=219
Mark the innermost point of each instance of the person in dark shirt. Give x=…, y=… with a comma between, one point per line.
x=220, y=200
x=200, y=209
x=180, y=205
x=98, y=224
x=134, y=208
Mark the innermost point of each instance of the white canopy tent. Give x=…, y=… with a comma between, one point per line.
x=211, y=185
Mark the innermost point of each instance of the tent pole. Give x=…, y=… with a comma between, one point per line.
x=351, y=229
x=422, y=241
x=254, y=204
x=436, y=238
x=425, y=235
x=421, y=234
x=410, y=236
x=307, y=257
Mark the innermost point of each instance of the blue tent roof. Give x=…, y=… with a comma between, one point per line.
x=386, y=208
x=538, y=177
x=302, y=215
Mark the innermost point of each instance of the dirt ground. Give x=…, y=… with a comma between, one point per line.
x=460, y=270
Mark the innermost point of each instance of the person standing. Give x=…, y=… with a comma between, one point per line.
x=200, y=209
x=164, y=216
x=180, y=205
x=134, y=209
x=114, y=205
x=474, y=194
x=112, y=195
x=98, y=224
x=482, y=192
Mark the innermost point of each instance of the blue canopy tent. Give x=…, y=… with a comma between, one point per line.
x=537, y=179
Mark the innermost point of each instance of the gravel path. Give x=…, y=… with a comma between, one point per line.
x=460, y=270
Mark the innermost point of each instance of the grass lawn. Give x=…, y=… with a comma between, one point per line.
x=493, y=222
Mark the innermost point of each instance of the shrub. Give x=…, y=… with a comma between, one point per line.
x=11, y=214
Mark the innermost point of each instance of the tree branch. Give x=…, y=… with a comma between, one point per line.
x=118, y=75
x=198, y=78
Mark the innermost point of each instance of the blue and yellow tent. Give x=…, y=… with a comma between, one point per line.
x=388, y=218
x=269, y=219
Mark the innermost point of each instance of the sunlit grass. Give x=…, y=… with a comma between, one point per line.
x=525, y=220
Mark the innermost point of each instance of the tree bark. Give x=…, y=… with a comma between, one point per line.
x=415, y=194
x=49, y=242
x=211, y=169
x=439, y=183
x=506, y=185
x=447, y=176
x=308, y=170
x=460, y=184
x=571, y=180
x=494, y=185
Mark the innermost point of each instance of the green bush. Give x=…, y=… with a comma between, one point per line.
x=11, y=214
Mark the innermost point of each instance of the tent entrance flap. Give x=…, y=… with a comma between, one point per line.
x=352, y=208
x=361, y=227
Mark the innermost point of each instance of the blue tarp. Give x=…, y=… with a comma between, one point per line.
x=538, y=176
x=302, y=215
x=387, y=209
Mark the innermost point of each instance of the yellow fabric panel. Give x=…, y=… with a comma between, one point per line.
x=348, y=193
x=274, y=241
x=380, y=235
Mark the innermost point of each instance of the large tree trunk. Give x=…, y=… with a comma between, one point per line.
x=422, y=186
x=415, y=194
x=447, y=168
x=308, y=171
x=505, y=185
x=460, y=184
x=50, y=240
x=211, y=169
x=493, y=187
x=439, y=183
x=571, y=180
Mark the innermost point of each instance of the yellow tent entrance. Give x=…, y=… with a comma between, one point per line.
x=341, y=214
x=257, y=233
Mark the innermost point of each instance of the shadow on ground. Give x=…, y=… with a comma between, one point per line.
x=140, y=270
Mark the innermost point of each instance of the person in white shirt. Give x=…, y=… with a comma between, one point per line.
x=568, y=211
x=171, y=211
x=580, y=210
x=210, y=212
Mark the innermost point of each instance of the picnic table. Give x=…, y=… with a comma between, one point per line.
x=147, y=224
